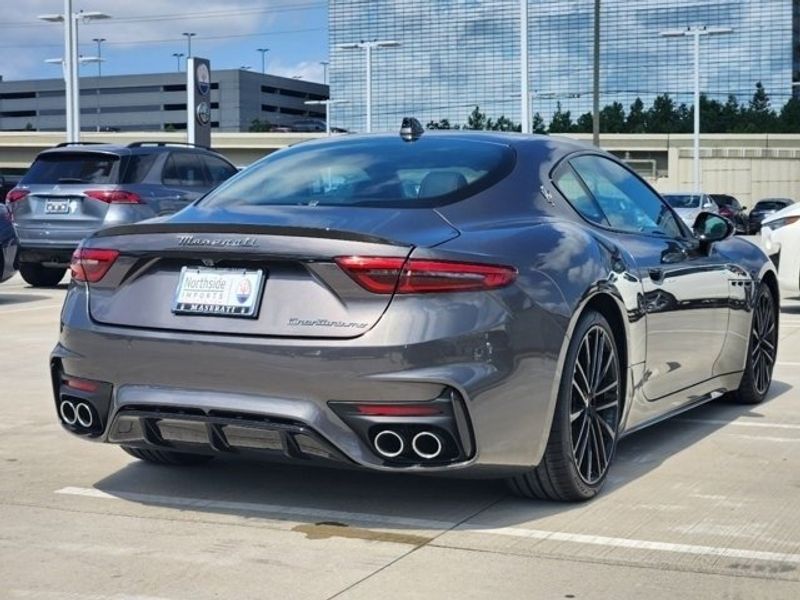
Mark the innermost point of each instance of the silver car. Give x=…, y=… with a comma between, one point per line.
x=689, y=206
x=71, y=191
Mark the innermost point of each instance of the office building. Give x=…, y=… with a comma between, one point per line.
x=458, y=54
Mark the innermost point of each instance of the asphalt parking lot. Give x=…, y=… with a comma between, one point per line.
x=702, y=506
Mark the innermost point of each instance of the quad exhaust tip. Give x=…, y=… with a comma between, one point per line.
x=427, y=445
x=389, y=444
x=76, y=414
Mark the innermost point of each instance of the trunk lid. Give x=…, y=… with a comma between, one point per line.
x=304, y=293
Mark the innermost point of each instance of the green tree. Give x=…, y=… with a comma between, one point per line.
x=440, y=124
x=537, y=124
x=636, y=121
x=760, y=100
x=612, y=118
x=730, y=115
x=759, y=117
x=476, y=120
x=259, y=126
x=662, y=116
x=584, y=123
x=561, y=121
x=790, y=116
x=711, y=115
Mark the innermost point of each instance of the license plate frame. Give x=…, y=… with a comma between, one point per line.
x=219, y=292
x=56, y=207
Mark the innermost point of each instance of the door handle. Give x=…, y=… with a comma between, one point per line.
x=657, y=275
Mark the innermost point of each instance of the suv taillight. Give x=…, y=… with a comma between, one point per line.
x=16, y=194
x=91, y=264
x=114, y=196
x=385, y=275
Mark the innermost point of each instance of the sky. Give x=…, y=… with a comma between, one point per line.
x=142, y=35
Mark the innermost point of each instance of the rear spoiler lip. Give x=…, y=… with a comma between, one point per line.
x=240, y=228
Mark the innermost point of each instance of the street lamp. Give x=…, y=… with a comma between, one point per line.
x=189, y=35
x=99, y=42
x=696, y=32
x=263, y=59
x=368, y=47
x=72, y=86
x=324, y=64
x=525, y=109
x=326, y=104
x=178, y=56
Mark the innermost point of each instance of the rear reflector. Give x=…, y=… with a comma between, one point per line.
x=114, y=196
x=385, y=275
x=83, y=385
x=91, y=264
x=397, y=410
x=16, y=194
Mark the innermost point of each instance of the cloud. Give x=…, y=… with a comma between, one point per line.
x=308, y=71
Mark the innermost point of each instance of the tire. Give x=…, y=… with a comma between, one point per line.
x=41, y=276
x=761, y=351
x=167, y=457
x=583, y=436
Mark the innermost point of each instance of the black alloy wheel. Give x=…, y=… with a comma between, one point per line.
x=762, y=350
x=583, y=436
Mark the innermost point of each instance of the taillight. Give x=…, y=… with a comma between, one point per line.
x=91, y=264
x=383, y=275
x=114, y=196
x=16, y=194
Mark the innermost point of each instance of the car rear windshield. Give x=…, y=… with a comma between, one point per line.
x=378, y=172
x=725, y=200
x=71, y=167
x=772, y=204
x=683, y=200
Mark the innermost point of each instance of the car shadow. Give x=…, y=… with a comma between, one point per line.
x=10, y=299
x=265, y=490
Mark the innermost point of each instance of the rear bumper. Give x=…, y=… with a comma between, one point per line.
x=504, y=399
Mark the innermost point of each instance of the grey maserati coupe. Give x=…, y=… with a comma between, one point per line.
x=497, y=305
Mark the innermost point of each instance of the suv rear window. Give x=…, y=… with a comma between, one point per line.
x=382, y=172
x=71, y=167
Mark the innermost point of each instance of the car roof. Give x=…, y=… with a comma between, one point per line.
x=128, y=149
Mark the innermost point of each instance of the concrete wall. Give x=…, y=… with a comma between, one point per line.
x=749, y=167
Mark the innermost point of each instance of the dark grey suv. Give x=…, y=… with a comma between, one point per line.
x=73, y=190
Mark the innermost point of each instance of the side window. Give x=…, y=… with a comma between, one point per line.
x=627, y=203
x=184, y=169
x=137, y=167
x=573, y=190
x=218, y=169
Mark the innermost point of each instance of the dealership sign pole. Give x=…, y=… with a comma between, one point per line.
x=198, y=101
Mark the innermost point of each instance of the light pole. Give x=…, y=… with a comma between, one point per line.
x=178, y=56
x=72, y=86
x=525, y=109
x=696, y=32
x=368, y=47
x=324, y=64
x=263, y=59
x=189, y=35
x=99, y=42
x=596, y=77
x=326, y=104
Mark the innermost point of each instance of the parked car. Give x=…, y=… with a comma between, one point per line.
x=7, y=183
x=780, y=238
x=689, y=206
x=762, y=209
x=730, y=208
x=309, y=125
x=73, y=190
x=470, y=303
x=8, y=245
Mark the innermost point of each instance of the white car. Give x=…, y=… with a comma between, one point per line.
x=688, y=206
x=780, y=238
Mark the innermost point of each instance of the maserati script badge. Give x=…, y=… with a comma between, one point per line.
x=190, y=240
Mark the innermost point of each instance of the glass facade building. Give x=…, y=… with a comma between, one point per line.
x=458, y=54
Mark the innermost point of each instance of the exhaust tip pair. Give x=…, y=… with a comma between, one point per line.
x=425, y=444
x=76, y=413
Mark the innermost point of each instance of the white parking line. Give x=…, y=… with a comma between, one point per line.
x=29, y=308
x=388, y=520
x=787, y=364
x=766, y=425
x=613, y=542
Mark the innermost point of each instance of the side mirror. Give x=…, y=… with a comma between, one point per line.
x=710, y=227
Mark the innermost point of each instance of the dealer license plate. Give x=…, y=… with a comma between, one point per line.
x=56, y=207
x=219, y=292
